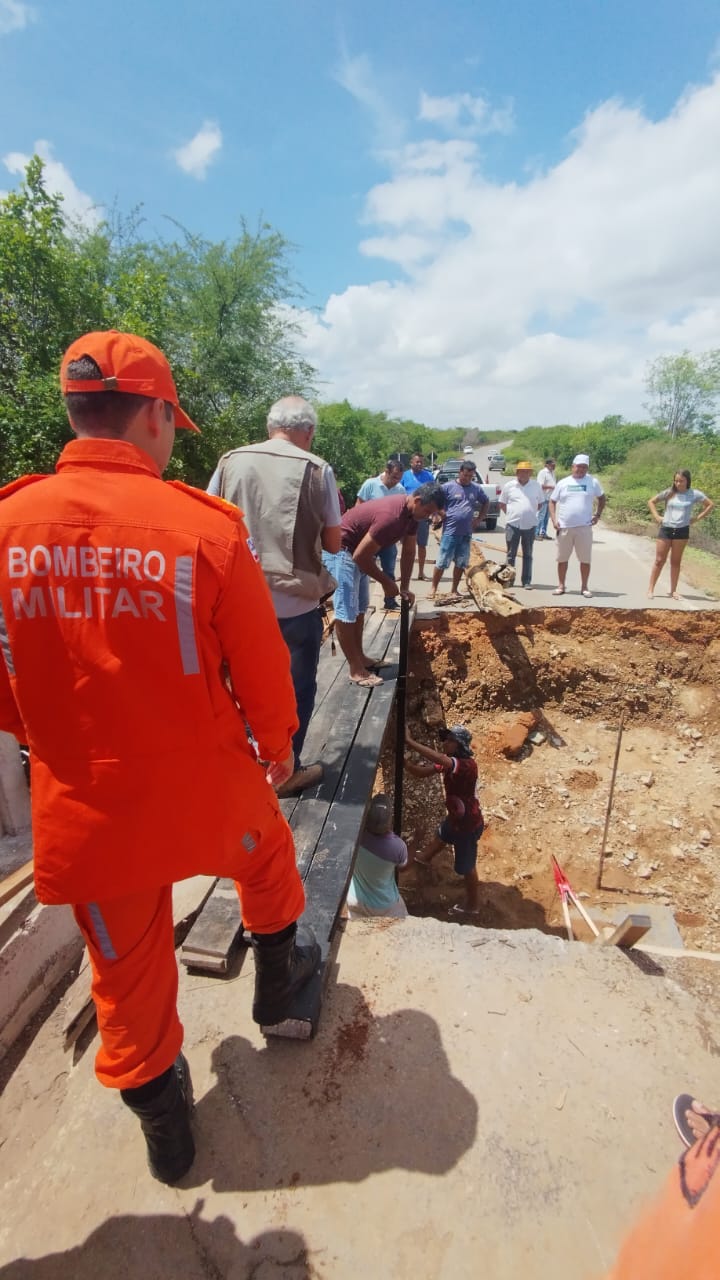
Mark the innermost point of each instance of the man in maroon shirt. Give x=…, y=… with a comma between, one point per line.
x=464, y=824
x=365, y=530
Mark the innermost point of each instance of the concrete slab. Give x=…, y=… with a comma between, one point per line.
x=469, y=1107
x=664, y=931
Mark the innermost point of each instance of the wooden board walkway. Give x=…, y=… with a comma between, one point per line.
x=346, y=734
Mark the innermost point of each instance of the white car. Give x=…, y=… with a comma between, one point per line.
x=468, y=449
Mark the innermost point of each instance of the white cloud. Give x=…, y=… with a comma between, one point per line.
x=467, y=113
x=197, y=155
x=538, y=300
x=358, y=77
x=14, y=16
x=76, y=204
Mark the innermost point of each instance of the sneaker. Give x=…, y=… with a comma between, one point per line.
x=391, y=604
x=308, y=775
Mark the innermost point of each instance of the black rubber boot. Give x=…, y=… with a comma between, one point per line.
x=163, y=1107
x=282, y=967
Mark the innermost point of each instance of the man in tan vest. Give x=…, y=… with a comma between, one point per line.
x=289, y=498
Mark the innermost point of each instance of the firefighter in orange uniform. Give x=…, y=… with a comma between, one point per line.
x=138, y=640
x=678, y=1236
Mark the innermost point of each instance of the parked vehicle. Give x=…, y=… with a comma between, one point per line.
x=449, y=471
x=496, y=462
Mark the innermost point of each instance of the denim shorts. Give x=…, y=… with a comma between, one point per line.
x=667, y=534
x=464, y=844
x=423, y=532
x=454, y=546
x=353, y=589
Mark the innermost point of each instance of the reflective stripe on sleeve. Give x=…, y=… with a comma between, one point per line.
x=107, y=949
x=5, y=644
x=184, y=615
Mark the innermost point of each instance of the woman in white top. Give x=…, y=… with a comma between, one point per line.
x=674, y=525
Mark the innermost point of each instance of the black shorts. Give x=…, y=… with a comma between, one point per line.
x=673, y=535
x=464, y=844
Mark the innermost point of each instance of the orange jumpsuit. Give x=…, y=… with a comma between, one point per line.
x=138, y=637
x=678, y=1238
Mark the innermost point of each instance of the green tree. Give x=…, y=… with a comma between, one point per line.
x=683, y=391
x=219, y=311
x=45, y=297
x=358, y=442
x=230, y=339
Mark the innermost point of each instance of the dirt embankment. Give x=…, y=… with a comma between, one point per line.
x=579, y=669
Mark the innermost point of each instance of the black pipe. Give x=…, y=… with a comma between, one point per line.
x=400, y=714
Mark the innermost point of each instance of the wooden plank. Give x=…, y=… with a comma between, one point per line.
x=329, y=874
x=628, y=932
x=331, y=690
x=332, y=665
x=335, y=731
x=16, y=881
x=217, y=931
x=329, y=668
x=339, y=719
x=214, y=937
x=307, y=824
x=331, y=723
x=328, y=878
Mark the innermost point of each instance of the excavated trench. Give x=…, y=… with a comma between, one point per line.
x=578, y=669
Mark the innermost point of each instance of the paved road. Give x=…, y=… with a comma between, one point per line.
x=620, y=568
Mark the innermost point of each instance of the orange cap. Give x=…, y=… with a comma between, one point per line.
x=524, y=466
x=128, y=363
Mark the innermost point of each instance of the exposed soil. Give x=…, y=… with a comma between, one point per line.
x=580, y=669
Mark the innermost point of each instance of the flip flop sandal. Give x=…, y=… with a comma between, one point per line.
x=379, y=665
x=559, y=591
x=683, y=1103
x=459, y=910
x=586, y=594
x=367, y=682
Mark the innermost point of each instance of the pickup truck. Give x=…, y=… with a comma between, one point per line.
x=449, y=471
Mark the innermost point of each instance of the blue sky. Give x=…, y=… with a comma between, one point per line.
x=412, y=153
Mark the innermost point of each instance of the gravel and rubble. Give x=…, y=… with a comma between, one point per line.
x=577, y=672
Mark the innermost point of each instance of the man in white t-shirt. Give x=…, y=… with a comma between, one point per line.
x=573, y=514
x=547, y=480
x=520, y=500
